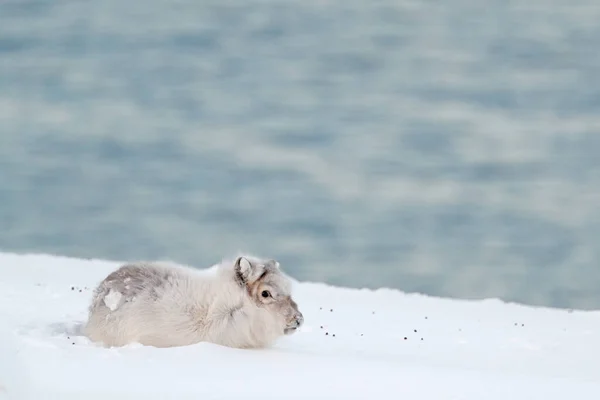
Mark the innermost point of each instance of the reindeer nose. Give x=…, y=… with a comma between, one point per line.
x=299, y=319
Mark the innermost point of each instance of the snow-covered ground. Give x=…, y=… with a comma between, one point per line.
x=363, y=344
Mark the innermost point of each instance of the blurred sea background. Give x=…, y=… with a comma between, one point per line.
x=448, y=148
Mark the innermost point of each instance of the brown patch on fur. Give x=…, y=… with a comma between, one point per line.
x=131, y=280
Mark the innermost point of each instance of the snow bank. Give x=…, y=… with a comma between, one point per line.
x=357, y=344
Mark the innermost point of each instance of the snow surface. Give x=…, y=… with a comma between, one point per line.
x=357, y=344
x=112, y=299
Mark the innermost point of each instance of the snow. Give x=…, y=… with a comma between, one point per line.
x=112, y=299
x=357, y=344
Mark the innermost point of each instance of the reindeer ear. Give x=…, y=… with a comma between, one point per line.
x=243, y=269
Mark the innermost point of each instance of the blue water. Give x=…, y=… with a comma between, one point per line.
x=449, y=148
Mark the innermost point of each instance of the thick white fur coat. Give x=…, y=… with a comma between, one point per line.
x=163, y=305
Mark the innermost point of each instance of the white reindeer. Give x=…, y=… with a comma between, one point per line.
x=244, y=303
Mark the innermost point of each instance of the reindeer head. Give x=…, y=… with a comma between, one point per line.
x=269, y=288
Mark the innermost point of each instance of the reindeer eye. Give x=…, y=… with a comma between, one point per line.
x=265, y=294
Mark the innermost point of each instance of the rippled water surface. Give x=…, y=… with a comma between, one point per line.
x=450, y=148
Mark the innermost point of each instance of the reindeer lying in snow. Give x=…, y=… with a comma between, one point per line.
x=244, y=304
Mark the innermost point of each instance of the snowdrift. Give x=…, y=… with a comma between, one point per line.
x=357, y=344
